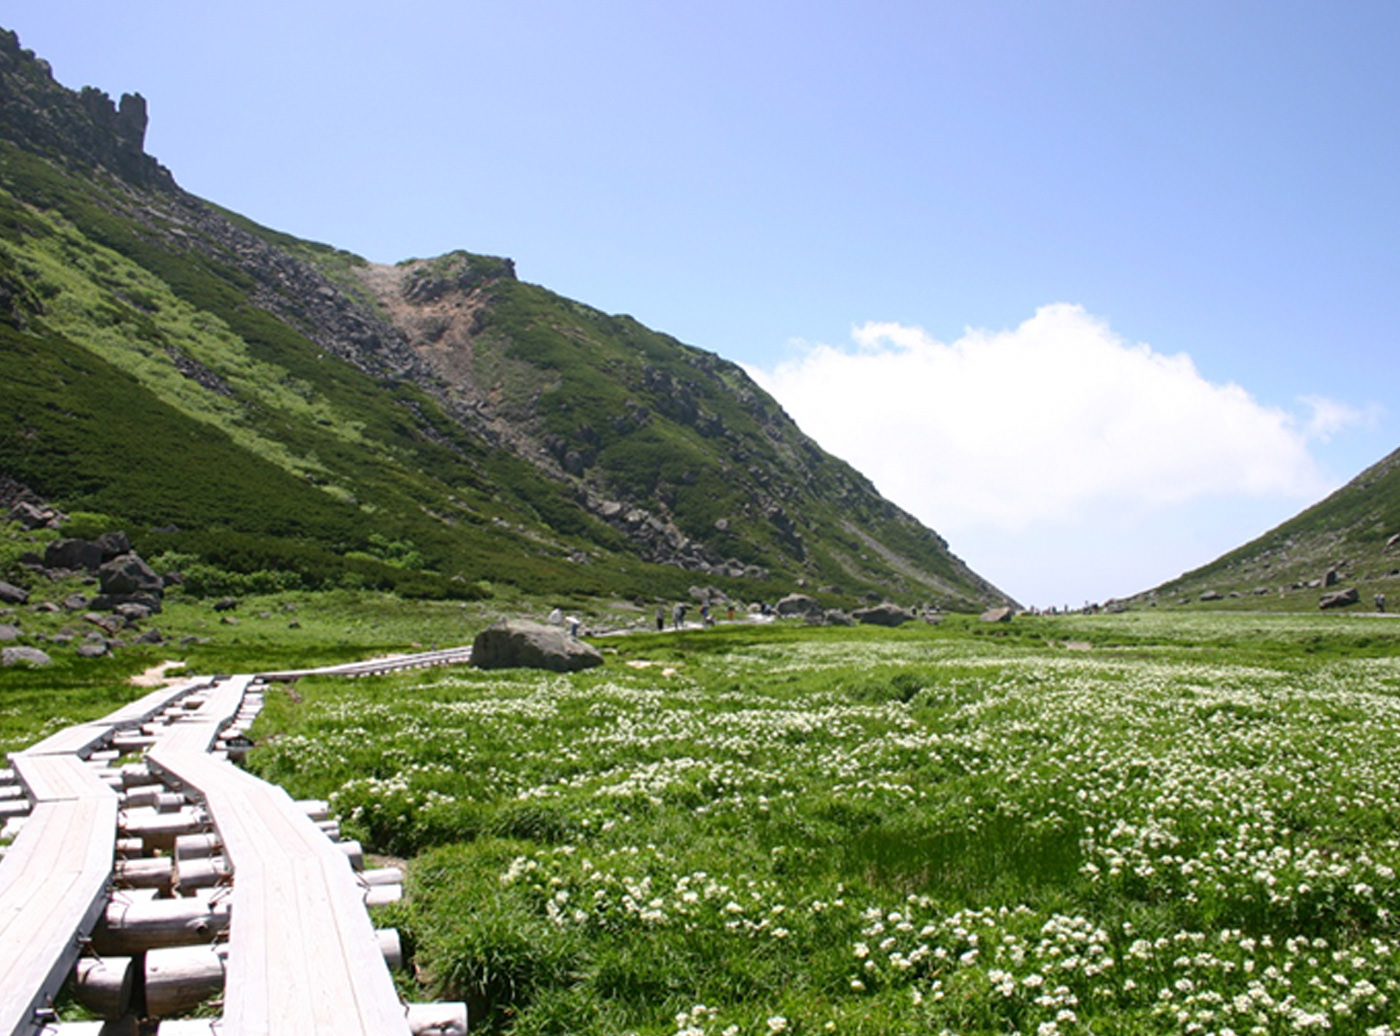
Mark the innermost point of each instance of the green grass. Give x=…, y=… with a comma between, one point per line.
x=752, y=830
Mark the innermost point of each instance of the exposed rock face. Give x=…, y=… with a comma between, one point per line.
x=529, y=645
x=1340, y=599
x=883, y=615
x=87, y=127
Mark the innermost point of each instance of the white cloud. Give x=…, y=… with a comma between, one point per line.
x=1047, y=425
x=1329, y=417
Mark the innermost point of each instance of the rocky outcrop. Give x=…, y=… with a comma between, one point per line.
x=86, y=127
x=529, y=645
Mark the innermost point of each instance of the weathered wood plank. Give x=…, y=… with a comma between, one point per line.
x=52, y=885
x=303, y=954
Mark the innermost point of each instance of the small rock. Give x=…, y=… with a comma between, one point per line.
x=93, y=646
x=11, y=594
x=225, y=604
x=24, y=656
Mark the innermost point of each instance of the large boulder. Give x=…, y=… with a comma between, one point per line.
x=798, y=604
x=1002, y=614
x=1340, y=599
x=11, y=594
x=885, y=614
x=530, y=645
x=127, y=574
x=73, y=555
x=113, y=544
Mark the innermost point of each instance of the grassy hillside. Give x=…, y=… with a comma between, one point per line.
x=286, y=419
x=1285, y=569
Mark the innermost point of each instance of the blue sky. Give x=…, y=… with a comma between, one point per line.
x=1097, y=290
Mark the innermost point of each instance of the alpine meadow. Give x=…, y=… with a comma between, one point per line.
x=810, y=774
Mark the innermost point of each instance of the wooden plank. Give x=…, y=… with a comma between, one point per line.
x=50, y=778
x=303, y=955
x=53, y=883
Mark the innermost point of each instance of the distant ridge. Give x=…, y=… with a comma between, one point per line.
x=1354, y=534
x=287, y=414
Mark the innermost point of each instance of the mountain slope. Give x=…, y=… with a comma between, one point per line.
x=1352, y=533
x=284, y=408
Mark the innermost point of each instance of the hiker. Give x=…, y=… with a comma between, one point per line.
x=660, y=618
x=1380, y=602
x=679, y=615
x=556, y=617
x=705, y=614
x=573, y=625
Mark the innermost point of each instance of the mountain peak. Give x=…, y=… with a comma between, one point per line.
x=86, y=128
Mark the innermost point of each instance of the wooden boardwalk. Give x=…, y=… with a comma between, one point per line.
x=54, y=877
x=302, y=954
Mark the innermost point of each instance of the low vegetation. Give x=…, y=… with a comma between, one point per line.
x=1111, y=824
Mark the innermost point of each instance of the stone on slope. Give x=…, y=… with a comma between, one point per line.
x=12, y=656
x=1340, y=599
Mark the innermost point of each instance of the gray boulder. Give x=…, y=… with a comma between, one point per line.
x=798, y=604
x=94, y=645
x=74, y=555
x=836, y=617
x=1002, y=614
x=11, y=594
x=1340, y=599
x=9, y=631
x=530, y=645
x=885, y=614
x=24, y=656
x=1212, y=595
x=114, y=545
x=128, y=574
